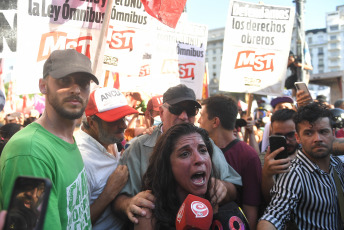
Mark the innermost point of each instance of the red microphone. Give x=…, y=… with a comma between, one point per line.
x=195, y=213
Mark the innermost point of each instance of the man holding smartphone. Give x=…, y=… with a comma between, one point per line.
x=281, y=124
x=309, y=192
x=46, y=148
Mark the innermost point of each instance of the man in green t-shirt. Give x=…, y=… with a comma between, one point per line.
x=46, y=147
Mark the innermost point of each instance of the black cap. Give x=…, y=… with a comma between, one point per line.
x=178, y=94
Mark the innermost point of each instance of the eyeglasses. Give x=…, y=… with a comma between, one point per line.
x=289, y=136
x=190, y=110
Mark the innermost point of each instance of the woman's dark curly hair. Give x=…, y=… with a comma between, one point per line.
x=159, y=177
x=311, y=113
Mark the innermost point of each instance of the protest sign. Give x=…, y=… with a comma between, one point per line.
x=146, y=53
x=48, y=25
x=139, y=51
x=256, y=48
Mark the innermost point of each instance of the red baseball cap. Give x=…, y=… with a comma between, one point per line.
x=109, y=104
x=157, y=102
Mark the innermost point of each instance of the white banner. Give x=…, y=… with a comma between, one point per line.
x=256, y=48
x=140, y=54
x=148, y=56
x=48, y=25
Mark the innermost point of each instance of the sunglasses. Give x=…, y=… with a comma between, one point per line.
x=190, y=110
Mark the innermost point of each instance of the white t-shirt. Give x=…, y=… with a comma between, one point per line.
x=99, y=165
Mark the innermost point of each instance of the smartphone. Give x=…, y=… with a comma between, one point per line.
x=28, y=204
x=303, y=86
x=276, y=142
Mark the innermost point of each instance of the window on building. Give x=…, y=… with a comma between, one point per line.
x=214, y=58
x=214, y=66
x=334, y=28
x=206, y=59
x=333, y=45
x=214, y=74
x=214, y=51
x=310, y=40
x=333, y=37
x=321, y=70
x=320, y=37
x=320, y=50
x=214, y=44
x=334, y=54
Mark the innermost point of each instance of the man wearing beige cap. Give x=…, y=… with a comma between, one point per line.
x=101, y=133
x=46, y=148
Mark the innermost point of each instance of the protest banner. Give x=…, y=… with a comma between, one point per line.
x=139, y=51
x=47, y=25
x=256, y=48
x=144, y=55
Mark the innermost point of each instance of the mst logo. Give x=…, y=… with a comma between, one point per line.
x=121, y=39
x=256, y=62
x=58, y=41
x=144, y=71
x=186, y=70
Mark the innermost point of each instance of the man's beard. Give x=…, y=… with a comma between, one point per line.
x=104, y=137
x=53, y=101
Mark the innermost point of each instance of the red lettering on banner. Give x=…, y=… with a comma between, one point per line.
x=170, y=66
x=144, y=71
x=122, y=39
x=256, y=62
x=58, y=41
x=187, y=70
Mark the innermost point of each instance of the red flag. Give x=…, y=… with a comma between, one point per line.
x=24, y=103
x=166, y=11
x=205, y=89
x=115, y=76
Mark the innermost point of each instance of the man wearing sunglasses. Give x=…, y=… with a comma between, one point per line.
x=282, y=124
x=179, y=106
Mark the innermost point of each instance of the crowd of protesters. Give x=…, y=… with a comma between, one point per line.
x=118, y=162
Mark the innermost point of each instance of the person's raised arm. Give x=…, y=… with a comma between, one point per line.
x=302, y=98
x=251, y=134
x=272, y=167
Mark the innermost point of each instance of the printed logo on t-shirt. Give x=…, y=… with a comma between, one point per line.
x=78, y=210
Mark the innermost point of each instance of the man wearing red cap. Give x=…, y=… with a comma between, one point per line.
x=46, y=148
x=101, y=133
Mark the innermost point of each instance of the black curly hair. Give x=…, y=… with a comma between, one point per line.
x=311, y=113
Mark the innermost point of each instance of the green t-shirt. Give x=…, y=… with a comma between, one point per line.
x=34, y=151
